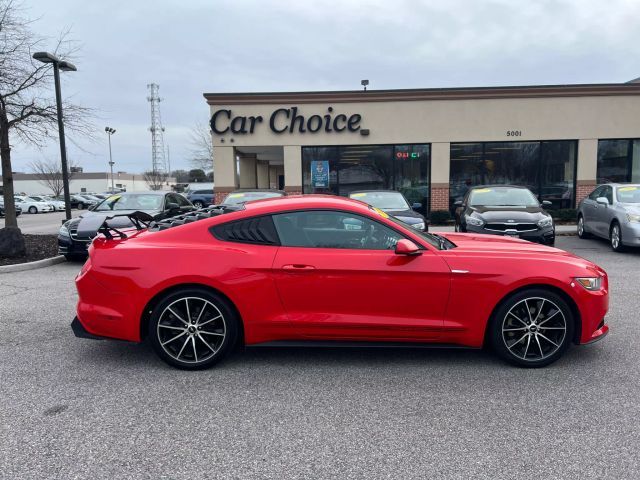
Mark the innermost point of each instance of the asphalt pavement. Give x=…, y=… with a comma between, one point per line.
x=72, y=408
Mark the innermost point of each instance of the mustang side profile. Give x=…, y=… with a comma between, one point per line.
x=322, y=269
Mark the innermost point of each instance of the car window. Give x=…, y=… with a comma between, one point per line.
x=608, y=194
x=331, y=229
x=503, y=197
x=134, y=201
x=629, y=194
x=382, y=200
x=183, y=202
x=596, y=193
x=235, y=198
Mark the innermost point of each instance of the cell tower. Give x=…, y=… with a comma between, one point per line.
x=156, y=129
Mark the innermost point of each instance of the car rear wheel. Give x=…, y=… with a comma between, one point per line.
x=615, y=237
x=532, y=328
x=193, y=329
x=582, y=233
x=33, y=210
x=198, y=204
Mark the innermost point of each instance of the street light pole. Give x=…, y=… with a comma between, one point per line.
x=58, y=65
x=110, y=131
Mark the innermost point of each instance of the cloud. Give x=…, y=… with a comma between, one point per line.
x=191, y=47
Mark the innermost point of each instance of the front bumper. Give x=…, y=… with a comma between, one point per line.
x=545, y=236
x=71, y=247
x=630, y=234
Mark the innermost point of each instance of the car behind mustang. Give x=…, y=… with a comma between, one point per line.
x=309, y=269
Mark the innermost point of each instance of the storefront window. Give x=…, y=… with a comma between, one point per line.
x=619, y=161
x=342, y=170
x=546, y=168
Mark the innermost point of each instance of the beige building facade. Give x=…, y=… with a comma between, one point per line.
x=431, y=144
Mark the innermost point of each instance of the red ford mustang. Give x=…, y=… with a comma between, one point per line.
x=309, y=269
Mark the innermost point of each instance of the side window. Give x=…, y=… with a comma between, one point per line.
x=257, y=231
x=171, y=198
x=331, y=229
x=596, y=193
x=608, y=193
x=181, y=201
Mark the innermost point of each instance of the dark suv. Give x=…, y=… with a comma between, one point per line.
x=200, y=198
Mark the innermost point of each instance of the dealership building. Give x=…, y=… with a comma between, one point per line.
x=430, y=144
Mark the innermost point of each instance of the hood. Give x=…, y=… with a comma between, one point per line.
x=470, y=242
x=407, y=216
x=503, y=214
x=632, y=208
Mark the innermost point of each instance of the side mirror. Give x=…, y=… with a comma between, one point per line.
x=546, y=203
x=602, y=201
x=416, y=206
x=457, y=203
x=407, y=247
x=172, y=206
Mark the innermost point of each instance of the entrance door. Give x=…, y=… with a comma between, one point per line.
x=339, y=278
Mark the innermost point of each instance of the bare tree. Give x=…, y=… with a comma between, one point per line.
x=27, y=104
x=201, y=148
x=49, y=174
x=155, y=179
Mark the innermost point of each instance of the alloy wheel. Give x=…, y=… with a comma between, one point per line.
x=191, y=330
x=580, y=227
x=615, y=237
x=534, y=329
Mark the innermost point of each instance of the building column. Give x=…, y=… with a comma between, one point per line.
x=224, y=168
x=587, y=167
x=248, y=172
x=440, y=163
x=262, y=173
x=293, y=169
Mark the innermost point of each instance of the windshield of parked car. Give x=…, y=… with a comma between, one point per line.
x=382, y=200
x=629, y=194
x=235, y=198
x=502, y=197
x=136, y=201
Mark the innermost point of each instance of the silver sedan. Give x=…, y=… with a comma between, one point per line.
x=612, y=211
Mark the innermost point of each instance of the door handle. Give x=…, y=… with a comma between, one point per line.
x=297, y=267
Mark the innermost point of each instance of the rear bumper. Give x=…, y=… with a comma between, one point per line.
x=81, y=332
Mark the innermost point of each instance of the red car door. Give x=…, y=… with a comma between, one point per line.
x=339, y=278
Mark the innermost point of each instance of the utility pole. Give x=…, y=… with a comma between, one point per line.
x=110, y=131
x=156, y=129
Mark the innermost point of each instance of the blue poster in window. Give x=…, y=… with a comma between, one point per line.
x=320, y=173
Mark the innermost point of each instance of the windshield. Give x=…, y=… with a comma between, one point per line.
x=502, y=197
x=241, y=197
x=37, y=199
x=433, y=240
x=382, y=200
x=629, y=194
x=140, y=201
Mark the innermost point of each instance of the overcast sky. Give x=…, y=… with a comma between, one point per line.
x=193, y=46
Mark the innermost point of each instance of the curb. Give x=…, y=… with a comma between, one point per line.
x=20, y=267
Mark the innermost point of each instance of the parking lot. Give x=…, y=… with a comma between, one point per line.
x=42, y=223
x=76, y=408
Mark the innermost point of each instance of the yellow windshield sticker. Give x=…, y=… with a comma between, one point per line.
x=236, y=195
x=113, y=198
x=482, y=190
x=380, y=212
x=627, y=189
x=357, y=195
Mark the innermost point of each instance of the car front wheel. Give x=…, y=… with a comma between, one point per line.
x=193, y=329
x=33, y=210
x=198, y=204
x=532, y=328
x=615, y=237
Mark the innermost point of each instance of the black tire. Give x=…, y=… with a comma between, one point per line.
x=615, y=237
x=456, y=228
x=81, y=206
x=582, y=233
x=33, y=210
x=207, y=345
x=198, y=204
x=531, y=349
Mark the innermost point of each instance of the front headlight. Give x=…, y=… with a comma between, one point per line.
x=64, y=231
x=474, y=221
x=590, y=283
x=545, y=222
x=418, y=226
x=632, y=217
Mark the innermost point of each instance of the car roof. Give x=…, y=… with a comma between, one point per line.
x=375, y=191
x=301, y=202
x=246, y=190
x=146, y=192
x=498, y=186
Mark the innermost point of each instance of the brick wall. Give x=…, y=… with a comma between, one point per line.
x=439, y=198
x=582, y=190
x=218, y=197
